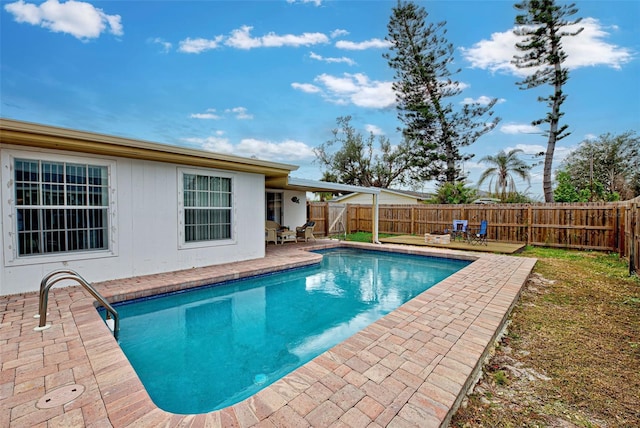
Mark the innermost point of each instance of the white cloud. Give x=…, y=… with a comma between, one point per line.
x=241, y=39
x=315, y=2
x=495, y=54
x=240, y=112
x=216, y=144
x=81, y=20
x=536, y=152
x=210, y=114
x=306, y=39
x=357, y=89
x=373, y=129
x=472, y=165
x=338, y=33
x=287, y=150
x=344, y=59
x=528, y=149
x=520, y=128
x=306, y=87
x=368, y=44
x=284, y=151
x=482, y=100
x=166, y=46
x=190, y=45
x=586, y=49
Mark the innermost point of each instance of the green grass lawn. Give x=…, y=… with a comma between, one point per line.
x=365, y=236
x=572, y=352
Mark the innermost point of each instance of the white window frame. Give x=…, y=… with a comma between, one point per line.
x=182, y=242
x=10, y=220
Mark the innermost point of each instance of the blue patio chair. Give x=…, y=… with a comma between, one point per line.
x=459, y=229
x=478, y=236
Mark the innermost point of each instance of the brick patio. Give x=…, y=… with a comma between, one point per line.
x=410, y=368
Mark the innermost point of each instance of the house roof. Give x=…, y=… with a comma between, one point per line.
x=50, y=137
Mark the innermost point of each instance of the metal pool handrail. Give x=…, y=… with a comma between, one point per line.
x=67, y=274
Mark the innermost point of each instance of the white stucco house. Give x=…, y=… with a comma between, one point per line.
x=111, y=207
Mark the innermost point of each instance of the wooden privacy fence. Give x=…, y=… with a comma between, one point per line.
x=587, y=226
x=632, y=234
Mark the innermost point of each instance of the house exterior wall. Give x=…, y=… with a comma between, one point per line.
x=295, y=214
x=145, y=231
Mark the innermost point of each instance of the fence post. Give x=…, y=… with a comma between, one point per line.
x=326, y=219
x=633, y=256
x=616, y=226
x=413, y=216
x=529, y=220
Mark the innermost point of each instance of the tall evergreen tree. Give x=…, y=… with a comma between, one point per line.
x=542, y=23
x=437, y=128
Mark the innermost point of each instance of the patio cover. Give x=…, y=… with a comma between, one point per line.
x=324, y=186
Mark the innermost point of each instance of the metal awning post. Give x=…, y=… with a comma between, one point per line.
x=375, y=218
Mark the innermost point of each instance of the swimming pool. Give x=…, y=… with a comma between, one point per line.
x=208, y=348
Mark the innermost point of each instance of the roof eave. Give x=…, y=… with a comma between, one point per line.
x=324, y=186
x=49, y=137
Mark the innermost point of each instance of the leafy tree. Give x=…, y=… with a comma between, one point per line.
x=454, y=193
x=502, y=168
x=520, y=198
x=566, y=191
x=437, y=128
x=330, y=178
x=358, y=162
x=542, y=24
x=606, y=169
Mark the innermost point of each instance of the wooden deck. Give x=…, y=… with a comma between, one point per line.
x=491, y=247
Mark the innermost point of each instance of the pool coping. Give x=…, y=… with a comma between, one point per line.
x=413, y=367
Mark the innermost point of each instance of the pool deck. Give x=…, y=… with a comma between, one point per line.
x=412, y=368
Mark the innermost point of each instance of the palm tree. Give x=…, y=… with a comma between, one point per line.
x=503, y=167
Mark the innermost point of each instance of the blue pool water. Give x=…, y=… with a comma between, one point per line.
x=212, y=347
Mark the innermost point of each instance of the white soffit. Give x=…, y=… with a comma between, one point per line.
x=324, y=186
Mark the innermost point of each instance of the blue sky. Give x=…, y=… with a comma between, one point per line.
x=269, y=78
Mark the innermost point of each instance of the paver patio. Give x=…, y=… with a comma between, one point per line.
x=410, y=368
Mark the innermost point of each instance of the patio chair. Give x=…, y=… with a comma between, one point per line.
x=282, y=233
x=459, y=229
x=479, y=236
x=305, y=231
x=270, y=235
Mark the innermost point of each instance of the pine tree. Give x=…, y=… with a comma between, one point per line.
x=421, y=57
x=542, y=24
